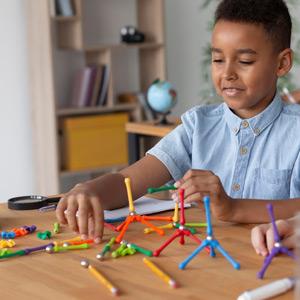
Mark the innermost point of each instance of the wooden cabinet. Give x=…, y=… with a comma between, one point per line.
x=90, y=36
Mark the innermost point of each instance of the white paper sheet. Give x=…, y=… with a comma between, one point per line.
x=143, y=206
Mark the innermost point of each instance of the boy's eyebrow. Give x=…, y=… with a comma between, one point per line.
x=239, y=51
x=246, y=51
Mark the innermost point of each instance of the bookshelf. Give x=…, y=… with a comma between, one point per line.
x=89, y=36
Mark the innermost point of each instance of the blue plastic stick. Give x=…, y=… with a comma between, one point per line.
x=209, y=241
x=209, y=230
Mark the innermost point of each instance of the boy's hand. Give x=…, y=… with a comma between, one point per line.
x=200, y=183
x=262, y=236
x=81, y=209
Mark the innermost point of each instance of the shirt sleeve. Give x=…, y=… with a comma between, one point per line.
x=175, y=149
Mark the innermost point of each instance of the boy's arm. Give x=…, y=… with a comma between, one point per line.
x=255, y=211
x=198, y=183
x=84, y=204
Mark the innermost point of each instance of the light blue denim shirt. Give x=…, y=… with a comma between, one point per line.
x=254, y=158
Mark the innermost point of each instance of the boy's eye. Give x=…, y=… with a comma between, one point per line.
x=246, y=62
x=217, y=60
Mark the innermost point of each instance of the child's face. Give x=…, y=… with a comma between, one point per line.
x=244, y=67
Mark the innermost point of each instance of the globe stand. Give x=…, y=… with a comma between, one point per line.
x=164, y=120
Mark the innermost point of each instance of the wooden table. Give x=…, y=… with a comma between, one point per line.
x=136, y=130
x=60, y=276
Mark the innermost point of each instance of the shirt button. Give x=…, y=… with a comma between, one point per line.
x=236, y=187
x=245, y=124
x=235, y=129
x=256, y=131
x=243, y=150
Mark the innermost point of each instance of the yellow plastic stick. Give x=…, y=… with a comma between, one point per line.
x=176, y=215
x=167, y=226
x=103, y=280
x=160, y=273
x=129, y=194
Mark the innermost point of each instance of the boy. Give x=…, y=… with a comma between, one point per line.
x=243, y=148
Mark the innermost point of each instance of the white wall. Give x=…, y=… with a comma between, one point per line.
x=16, y=159
x=186, y=35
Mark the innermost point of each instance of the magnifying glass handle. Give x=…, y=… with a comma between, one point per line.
x=56, y=196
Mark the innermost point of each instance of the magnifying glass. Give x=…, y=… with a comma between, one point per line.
x=32, y=201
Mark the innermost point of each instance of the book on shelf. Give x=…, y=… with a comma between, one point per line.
x=97, y=85
x=82, y=87
x=103, y=91
x=64, y=8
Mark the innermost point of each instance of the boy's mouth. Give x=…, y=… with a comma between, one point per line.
x=231, y=91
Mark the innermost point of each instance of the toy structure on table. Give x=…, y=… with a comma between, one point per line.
x=134, y=217
x=175, y=217
x=181, y=231
x=278, y=248
x=210, y=242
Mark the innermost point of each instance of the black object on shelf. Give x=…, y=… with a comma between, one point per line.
x=129, y=34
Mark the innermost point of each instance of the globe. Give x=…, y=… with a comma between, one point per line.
x=161, y=97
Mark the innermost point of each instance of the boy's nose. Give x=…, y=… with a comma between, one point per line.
x=229, y=73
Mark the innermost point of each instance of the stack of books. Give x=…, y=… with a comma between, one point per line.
x=90, y=86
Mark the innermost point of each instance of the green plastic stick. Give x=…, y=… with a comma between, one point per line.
x=16, y=253
x=162, y=188
x=118, y=251
x=191, y=230
x=195, y=224
x=72, y=247
x=56, y=227
x=141, y=250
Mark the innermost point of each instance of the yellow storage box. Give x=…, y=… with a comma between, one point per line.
x=94, y=141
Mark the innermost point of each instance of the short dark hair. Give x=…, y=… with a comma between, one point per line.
x=273, y=15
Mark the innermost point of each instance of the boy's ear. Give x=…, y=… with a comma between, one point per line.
x=285, y=62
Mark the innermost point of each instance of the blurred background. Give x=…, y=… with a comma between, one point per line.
x=50, y=50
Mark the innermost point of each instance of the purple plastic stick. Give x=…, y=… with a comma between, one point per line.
x=34, y=249
x=276, y=233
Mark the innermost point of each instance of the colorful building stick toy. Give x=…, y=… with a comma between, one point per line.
x=56, y=228
x=175, y=217
x=7, y=244
x=44, y=235
x=100, y=277
x=16, y=232
x=54, y=248
x=106, y=249
x=210, y=242
x=278, y=248
x=181, y=231
x=161, y=274
x=26, y=251
x=134, y=217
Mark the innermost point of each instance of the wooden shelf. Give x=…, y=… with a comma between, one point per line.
x=94, y=32
x=65, y=174
x=68, y=112
x=65, y=19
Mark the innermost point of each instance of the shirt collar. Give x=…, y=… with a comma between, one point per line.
x=257, y=123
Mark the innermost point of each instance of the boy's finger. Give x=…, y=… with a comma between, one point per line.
x=270, y=239
x=71, y=214
x=82, y=215
x=194, y=197
x=98, y=219
x=91, y=226
x=60, y=211
x=258, y=239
